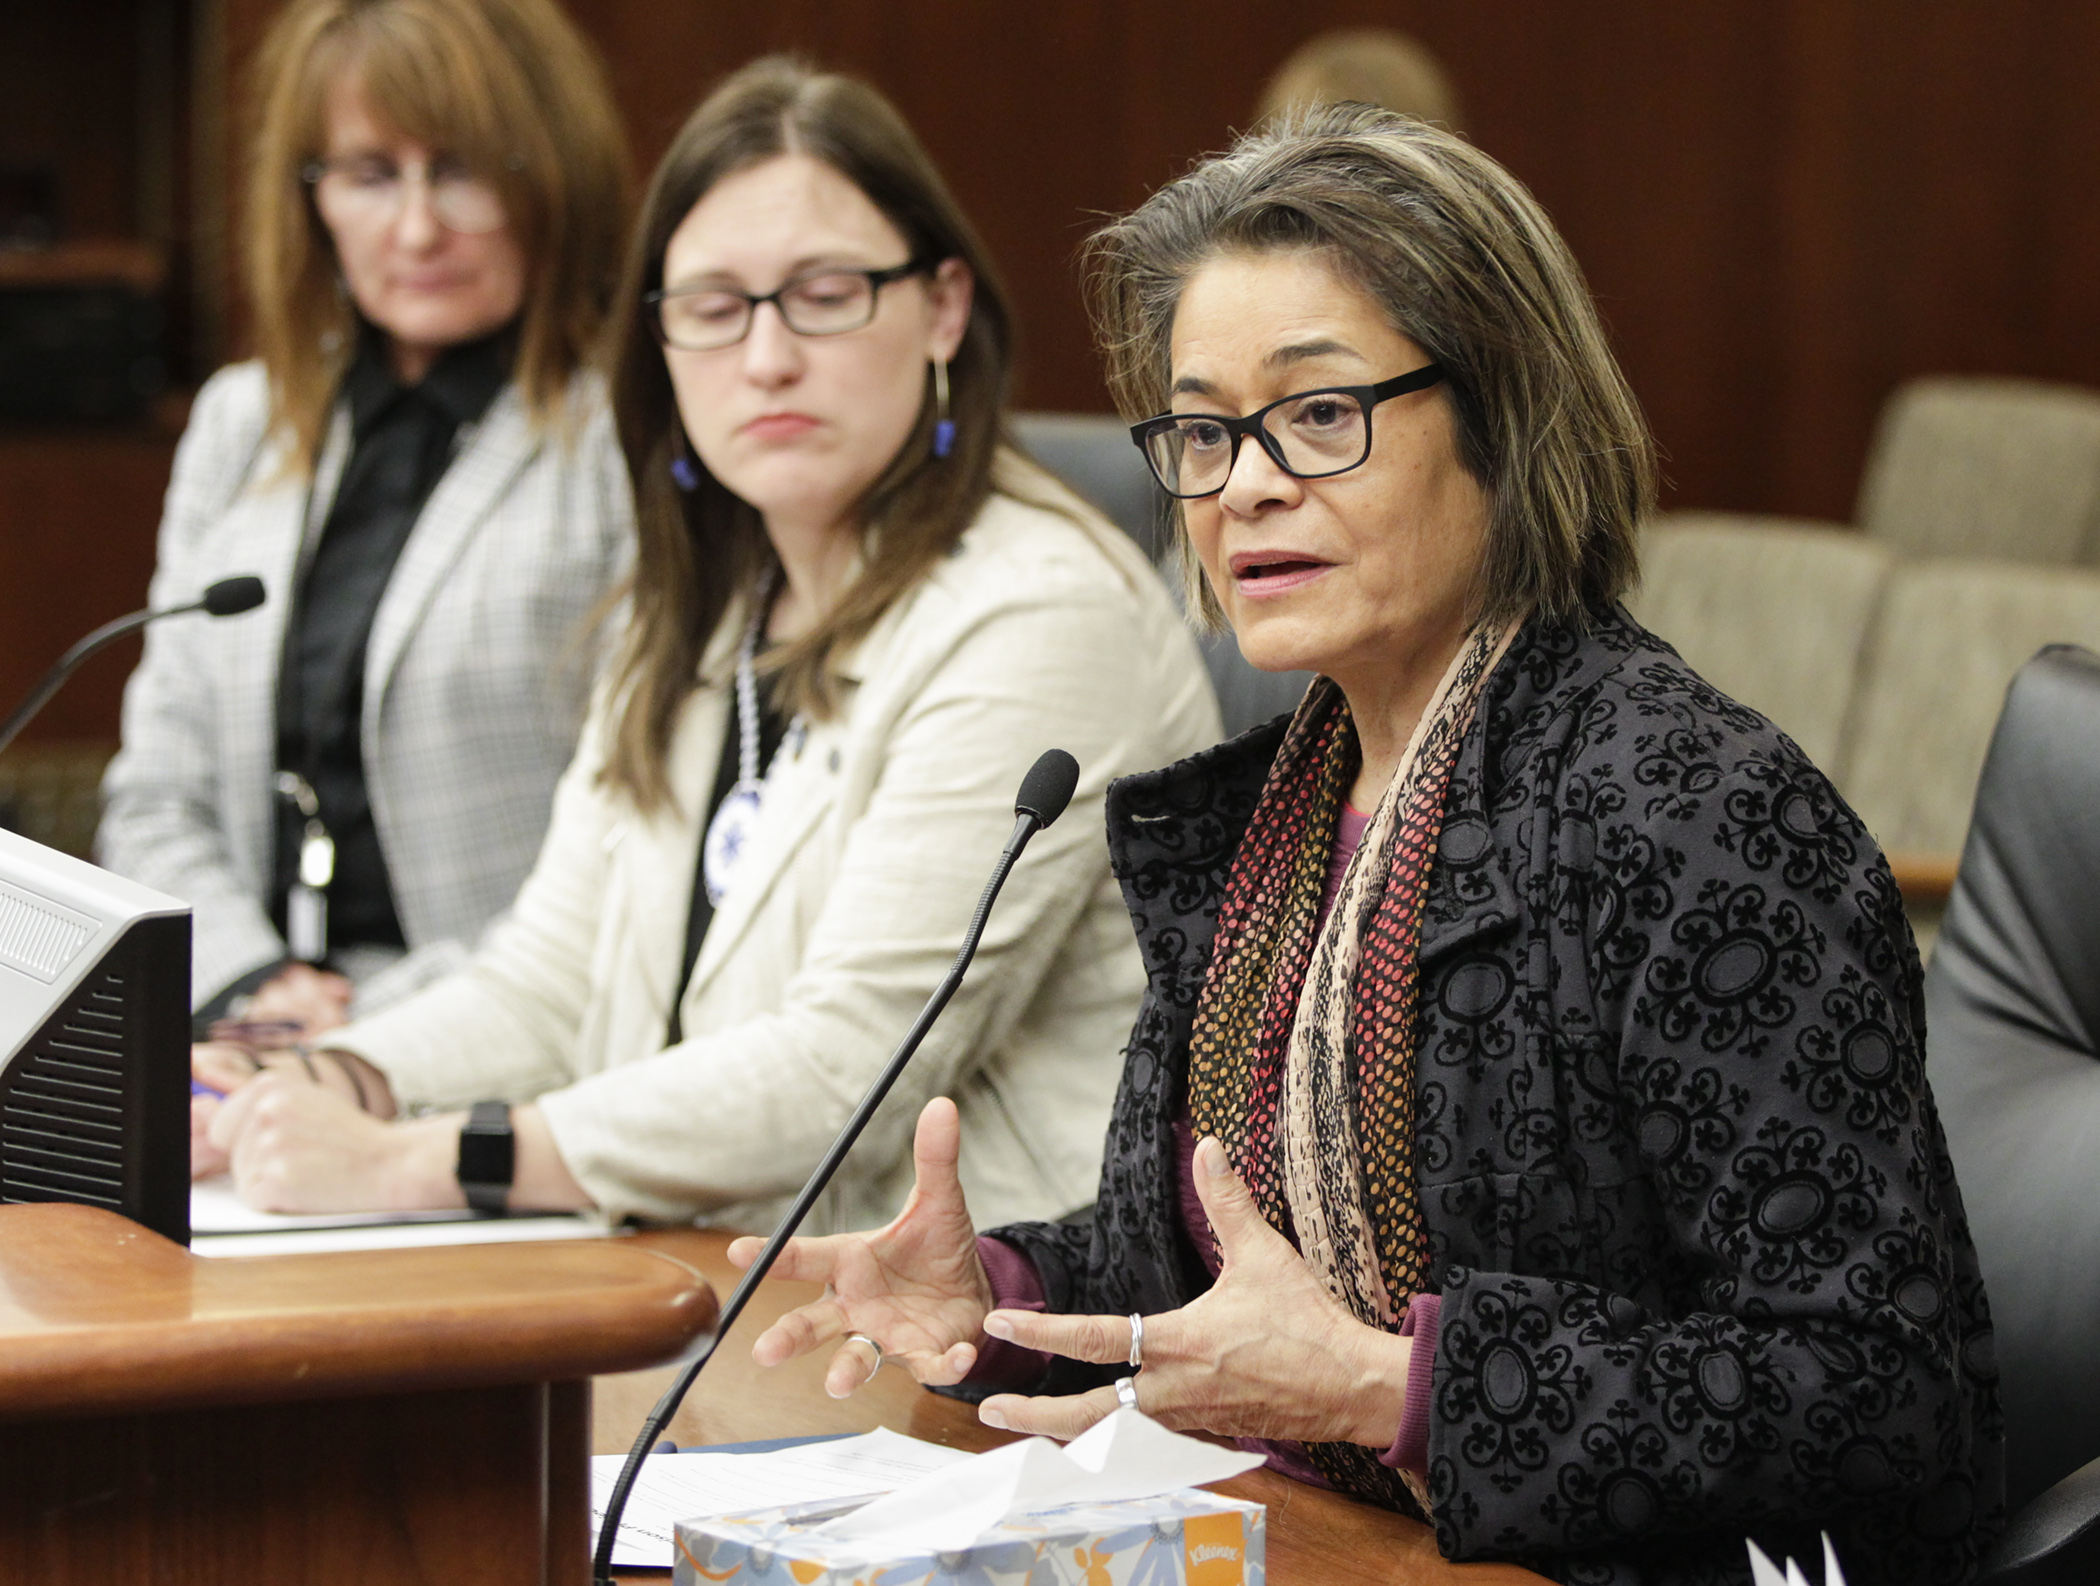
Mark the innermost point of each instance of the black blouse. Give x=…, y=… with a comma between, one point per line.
x=403, y=439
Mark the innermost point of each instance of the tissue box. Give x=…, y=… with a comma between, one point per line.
x=1189, y=1538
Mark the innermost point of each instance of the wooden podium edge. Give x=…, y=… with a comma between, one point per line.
x=99, y=1315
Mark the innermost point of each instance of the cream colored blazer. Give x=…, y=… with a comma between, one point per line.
x=1045, y=628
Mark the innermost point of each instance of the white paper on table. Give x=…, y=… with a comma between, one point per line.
x=216, y=1208
x=402, y=1236
x=674, y=1487
x=1128, y=1455
x=222, y=1224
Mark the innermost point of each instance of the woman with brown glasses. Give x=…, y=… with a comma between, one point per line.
x=350, y=783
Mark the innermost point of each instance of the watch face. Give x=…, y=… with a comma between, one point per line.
x=487, y=1149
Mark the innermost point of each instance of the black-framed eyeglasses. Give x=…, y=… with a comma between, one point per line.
x=1311, y=434
x=827, y=302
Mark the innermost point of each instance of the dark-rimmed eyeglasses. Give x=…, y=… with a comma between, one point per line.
x=1311, y=435
x=827, y=302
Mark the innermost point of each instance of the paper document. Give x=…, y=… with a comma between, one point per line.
x=674, y=1487
x=222, y=1224
x=215, y=1208
x=1129, y=1455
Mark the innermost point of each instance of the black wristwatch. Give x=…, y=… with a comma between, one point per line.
x=488, y=1156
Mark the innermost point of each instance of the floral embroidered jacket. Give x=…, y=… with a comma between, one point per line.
x=1704, y=1267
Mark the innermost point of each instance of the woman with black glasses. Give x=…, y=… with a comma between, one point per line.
x=1526, y=1127
x=857, y=618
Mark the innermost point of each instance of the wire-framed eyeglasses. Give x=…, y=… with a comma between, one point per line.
x=368, y=191
x=1311, y=435
x=826, y=302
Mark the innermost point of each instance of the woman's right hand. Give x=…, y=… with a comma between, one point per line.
x=916, y=1287
x=221, y=1067
x=317, y=1000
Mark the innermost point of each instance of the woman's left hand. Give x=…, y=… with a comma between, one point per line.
x=296, y=1143
x=1267, y=1352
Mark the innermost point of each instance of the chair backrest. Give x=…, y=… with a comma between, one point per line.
x=2013, y=1007
x=1948, y=641
x=2008, y=469
x=1772, y=611
x=1092, y=453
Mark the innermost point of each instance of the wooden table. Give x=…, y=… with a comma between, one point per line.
x=393, y=1416
x=1313, y=1535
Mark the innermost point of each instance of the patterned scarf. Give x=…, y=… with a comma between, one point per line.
x=1302, y=1058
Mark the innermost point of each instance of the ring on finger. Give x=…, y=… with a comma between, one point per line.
x=1126, y=1393
x=1137, y=1343
x=863, y=1338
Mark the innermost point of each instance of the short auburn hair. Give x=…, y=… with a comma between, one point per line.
x=1464, y=263
x=511, y=88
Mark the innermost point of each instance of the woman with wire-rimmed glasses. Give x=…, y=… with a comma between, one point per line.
x=1526, y=1127
x=349, y=784
x=856, y=619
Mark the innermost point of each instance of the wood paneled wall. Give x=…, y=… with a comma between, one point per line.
x=1785, y=206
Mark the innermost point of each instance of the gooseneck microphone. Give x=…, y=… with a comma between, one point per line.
x=227, y=598
x=1045, y=792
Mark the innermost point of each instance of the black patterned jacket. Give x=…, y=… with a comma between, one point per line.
x=1705, y=1269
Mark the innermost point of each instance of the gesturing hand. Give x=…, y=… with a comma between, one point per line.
x=1267, y=1352
x=916, y=1287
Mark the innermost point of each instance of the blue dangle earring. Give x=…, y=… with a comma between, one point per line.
x=685, y=473
x=943, y=426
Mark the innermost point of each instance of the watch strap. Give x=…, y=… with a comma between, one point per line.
x=488, y=1155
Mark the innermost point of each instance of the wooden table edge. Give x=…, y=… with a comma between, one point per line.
x=628, y=1306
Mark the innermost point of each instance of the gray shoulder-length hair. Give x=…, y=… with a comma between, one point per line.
x=1465, y=264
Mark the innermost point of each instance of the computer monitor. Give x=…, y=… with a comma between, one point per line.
x=94, y=1039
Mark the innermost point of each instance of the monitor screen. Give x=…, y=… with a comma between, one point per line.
x=94, y=1039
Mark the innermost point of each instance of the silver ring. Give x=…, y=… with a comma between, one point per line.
x=1126, y=1393
x=863, y=1338
x=1137, y=1342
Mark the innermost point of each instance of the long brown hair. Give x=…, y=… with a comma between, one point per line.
x=1465, y=264
x=911, y=516
x=509, y=86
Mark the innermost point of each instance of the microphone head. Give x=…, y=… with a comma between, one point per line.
x=1047, y=788
x=229, y=597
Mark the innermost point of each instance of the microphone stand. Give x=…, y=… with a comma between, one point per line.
x=109, y=633
x=228, y=598
x=1027, y=822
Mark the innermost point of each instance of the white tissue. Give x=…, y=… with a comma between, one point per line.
x=1763, y=1572
x=1128, y=1455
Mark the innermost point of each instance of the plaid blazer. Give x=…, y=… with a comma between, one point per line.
x=475, y=682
